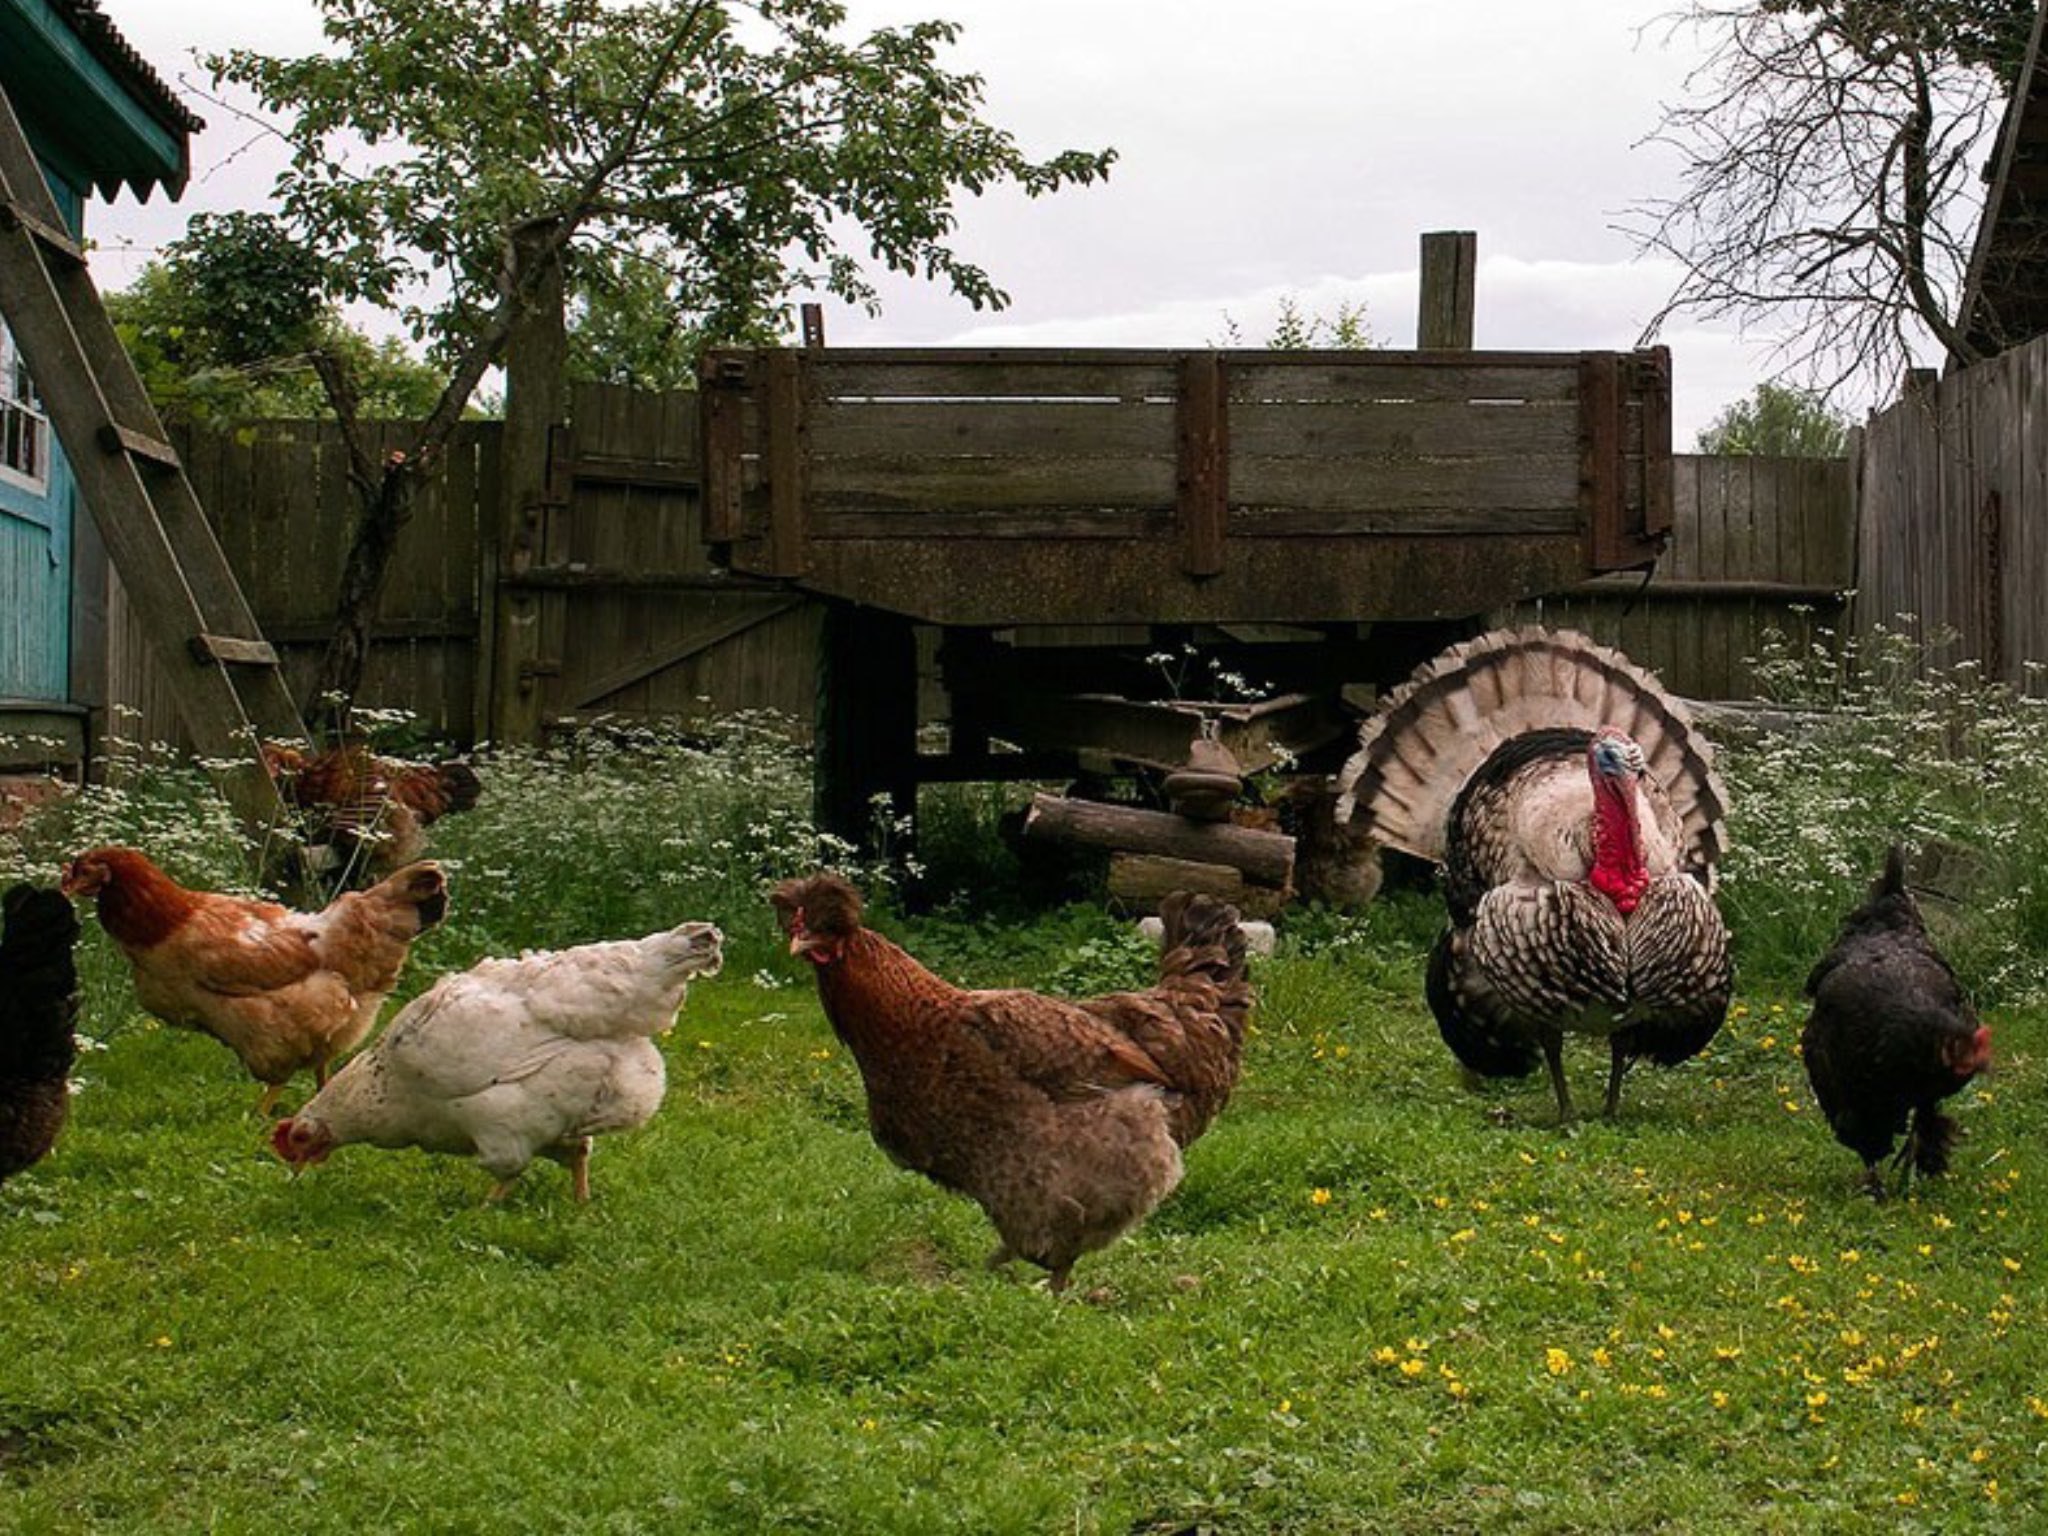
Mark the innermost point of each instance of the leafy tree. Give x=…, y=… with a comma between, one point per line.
x=216, y=337
x=457, y=159
x=1779, y=421
x=1829, y=181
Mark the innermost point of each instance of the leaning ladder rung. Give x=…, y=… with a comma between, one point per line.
x=116, y=438
x=56, y=241
x=232, y=652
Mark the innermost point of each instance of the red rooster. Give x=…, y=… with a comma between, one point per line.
x=369, y=814
x=283, y=990
x=1064, y=1121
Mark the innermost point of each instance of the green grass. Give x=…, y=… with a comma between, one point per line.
x=762, y=1325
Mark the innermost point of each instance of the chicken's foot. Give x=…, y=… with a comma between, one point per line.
x=498, y=1192
x=268, y=1102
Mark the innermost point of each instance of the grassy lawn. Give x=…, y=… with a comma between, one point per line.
x=1380, y=1302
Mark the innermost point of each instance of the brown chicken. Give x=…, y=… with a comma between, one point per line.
x=1064, y=1121
x=368, y=815
x=283, y=990
x=38, y=1002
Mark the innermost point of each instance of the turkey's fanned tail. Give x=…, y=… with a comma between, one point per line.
x=1431, y=734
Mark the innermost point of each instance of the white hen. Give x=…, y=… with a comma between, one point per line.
x=516, y=1059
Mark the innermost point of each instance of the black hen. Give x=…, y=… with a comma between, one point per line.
x=38, y=1001
x=1891, y=1035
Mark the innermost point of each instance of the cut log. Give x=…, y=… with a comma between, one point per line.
x=1138, y=882
x=1265, y=858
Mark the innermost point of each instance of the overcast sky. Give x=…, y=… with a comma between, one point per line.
x=1299, y=154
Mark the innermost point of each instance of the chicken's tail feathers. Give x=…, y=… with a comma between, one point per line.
x=459, y=785
x=1893, y=881
x=695, y=949
x=1429, y=735
x=1934, y=1139
x=422, y=886
x=1203, y=936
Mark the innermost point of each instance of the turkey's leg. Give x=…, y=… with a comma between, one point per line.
x=1873, y=1184
x=1615, y=1074
x=1553, y=1052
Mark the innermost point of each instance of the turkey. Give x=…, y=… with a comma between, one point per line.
x=1574, y=808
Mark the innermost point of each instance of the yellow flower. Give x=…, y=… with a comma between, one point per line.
x=1727, y=1352
x=1557, y=1362
x=1602, y=1359
x=1319, y=1196
x=1458, y=1389
x=2011, y=1264
x=1816, y=1399
x=1907, y=1497
x=1287, y=1405
x=1386, y=1354
x=1720, y=1399
x=1767, y=1042
x=1412, y=1368
x=1417, y=1346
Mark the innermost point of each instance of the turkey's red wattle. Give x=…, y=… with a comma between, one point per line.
x=1618, y=872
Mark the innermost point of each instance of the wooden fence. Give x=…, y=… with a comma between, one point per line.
x=1953, y=507
x=1757, y=544
x=279, y=497
x=606, y=599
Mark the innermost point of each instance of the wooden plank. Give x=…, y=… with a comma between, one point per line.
x=1405, y=430
x=999, y=429
x=1203, y=481
x=1653, y=388
x=785, y=467
x=234, y=652
x=719, y=389
x=972, y=375
x=1448, y=283
x=1376, y=376
x=639, y=668
x=1457, y=488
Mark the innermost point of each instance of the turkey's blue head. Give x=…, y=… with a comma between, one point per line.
x=1615, y=755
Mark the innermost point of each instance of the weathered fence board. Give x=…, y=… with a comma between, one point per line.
x=1953, y=493
x=1757, y=544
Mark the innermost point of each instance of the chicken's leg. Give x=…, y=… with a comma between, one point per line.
x=578, y=1163
x=268, y=1102
x=1553, y=1052
x=498, y=1192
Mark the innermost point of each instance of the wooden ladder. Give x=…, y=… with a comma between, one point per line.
x=225, y=676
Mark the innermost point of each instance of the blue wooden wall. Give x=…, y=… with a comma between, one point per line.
x=35, y=564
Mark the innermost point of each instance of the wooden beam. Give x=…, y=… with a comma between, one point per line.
x=698, y=641
x=1653, y=381
x=785, y=389
x=1264, y=857
x=232, y=652
x=1444, y=314
x=1204, y=478
x=556, y=578
x=722, y=379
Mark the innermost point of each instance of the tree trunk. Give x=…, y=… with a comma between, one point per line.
x=362, y=582
x=1266, y=858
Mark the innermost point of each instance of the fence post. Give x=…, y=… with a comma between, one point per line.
x=536, y=358
x=1450, y=269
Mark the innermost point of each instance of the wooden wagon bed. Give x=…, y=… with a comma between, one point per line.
x=1013, y=487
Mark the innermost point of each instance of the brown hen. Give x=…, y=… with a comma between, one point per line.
x=366, y=814
x=283, y=990
x=1063, y=1121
